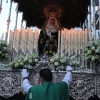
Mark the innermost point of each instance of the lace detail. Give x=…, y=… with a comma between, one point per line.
x=10, y=84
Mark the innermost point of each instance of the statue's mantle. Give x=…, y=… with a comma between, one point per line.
x=84, y=85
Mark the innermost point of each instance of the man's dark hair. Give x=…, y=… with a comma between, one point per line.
x=46, y=74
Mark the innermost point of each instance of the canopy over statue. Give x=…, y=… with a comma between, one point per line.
x=73, y=12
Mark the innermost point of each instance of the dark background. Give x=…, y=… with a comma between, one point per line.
x=20, y=96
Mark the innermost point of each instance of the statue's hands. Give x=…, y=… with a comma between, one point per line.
x=48, y=31
x=24, y=73
x=69, y=68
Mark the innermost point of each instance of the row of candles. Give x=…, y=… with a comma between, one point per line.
x=69, y=41
x=24, y=39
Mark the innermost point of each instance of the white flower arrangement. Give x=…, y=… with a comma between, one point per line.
x=91, y=51
x=74, y=62
x=59, y=60
x=4, y=50
x=30, y=60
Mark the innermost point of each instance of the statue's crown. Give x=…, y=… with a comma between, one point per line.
x=52, y=11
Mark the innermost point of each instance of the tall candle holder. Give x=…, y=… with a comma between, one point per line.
x=59, y=42
x=21, y=51
x=13, y=54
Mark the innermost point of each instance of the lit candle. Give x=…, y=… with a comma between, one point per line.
x=76, y=41
x=58, y=41
x=31, y=40
x=69, y=39
x=22, y=39
x=73, y=34
x=72, y=39
x=26, y=40
x=18, y=40
x=62, y=41
x=11, y=39
x=83, y=37
x=68, y=42
x=36, y=39
x=66, y=32
x=86, y=35
x=28, y=37
x=64, y=35
x=80, y=38
x=15, y=35
x=6, y=36
x=90, y=35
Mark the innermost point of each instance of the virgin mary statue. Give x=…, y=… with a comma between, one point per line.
x=48, y=38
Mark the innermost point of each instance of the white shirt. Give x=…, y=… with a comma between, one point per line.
x=26, y=84
x=68, y=78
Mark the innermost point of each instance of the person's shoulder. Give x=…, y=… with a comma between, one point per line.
x=37, y=87
x=33, y=88
x=62, y=83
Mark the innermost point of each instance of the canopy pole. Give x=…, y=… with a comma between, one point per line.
x=83, y=25
x=87, y=24
x=90, y=15
x=89, y=18
x=16, y=17
x=0, y=6
x=8, y=21
x=99, y=16
x=87, y=28
x=22, y=21
x=94, y=23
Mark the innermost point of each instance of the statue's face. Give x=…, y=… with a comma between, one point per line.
x=52, y=22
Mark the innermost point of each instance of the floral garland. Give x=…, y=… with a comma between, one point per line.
x=28, y=61
x=4, y=50
x=91, y=51
x=60, y=62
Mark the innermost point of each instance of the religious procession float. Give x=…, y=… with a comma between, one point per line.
x=54, y=43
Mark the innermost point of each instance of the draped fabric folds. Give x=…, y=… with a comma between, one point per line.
x=49, y=91
x=46, y=45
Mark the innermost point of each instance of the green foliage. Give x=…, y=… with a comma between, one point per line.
x=4, y=50
x=91, y=51
x=29, y=59
x=59, y=60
